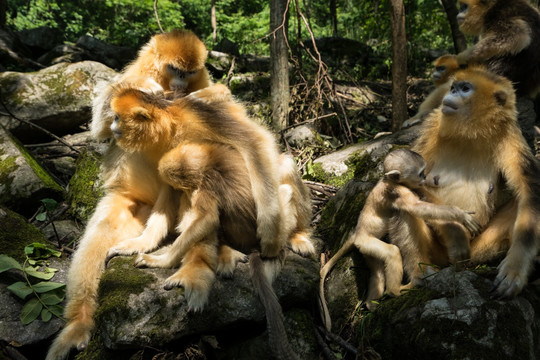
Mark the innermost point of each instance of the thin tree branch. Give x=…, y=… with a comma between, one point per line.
x=9, y=113
x=157, y=16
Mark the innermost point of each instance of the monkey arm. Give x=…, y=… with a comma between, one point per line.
x=520, y=170
x=509, y=39
x=157, y=227
x=411, y=204
x=200, y=221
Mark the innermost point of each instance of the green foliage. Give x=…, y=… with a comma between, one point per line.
x=245, y=22
x=44, y=297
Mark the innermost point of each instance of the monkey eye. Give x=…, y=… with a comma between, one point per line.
x=466, y=87
x=422, y=175
x=440, y=68
x=463, y=7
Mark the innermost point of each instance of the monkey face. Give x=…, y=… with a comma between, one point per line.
x=141, y=121
x=445, y=66
x=471, y=16
x=178, y=78
x=458, y=98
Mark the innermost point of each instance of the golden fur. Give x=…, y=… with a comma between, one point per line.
x=132, y=185
x=508, y=40
x=199, y=148
x=445, y=67
x=472, y=142
x=170, y=62
x=397, y=197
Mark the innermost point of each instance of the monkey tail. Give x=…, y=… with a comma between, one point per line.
x=323, y=307
x=262, y=274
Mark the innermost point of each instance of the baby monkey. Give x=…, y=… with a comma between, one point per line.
x=398, y=196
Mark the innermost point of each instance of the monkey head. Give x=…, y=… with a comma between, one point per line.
x=406, y=167
x=141, y=121
x=473, y=105
x=445, y=66
x=471, y=15
x=180, y=57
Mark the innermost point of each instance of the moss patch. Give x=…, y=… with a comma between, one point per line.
x=40, y=172
x=85, y=186
x=16, y=233
x=120, y=281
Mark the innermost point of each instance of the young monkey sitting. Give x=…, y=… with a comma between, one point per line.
x=398, y=196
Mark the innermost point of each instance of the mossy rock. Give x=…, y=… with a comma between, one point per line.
x=16, y=233
x=23, y=181
x=86, y=186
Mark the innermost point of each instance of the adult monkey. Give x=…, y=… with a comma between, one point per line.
x=508, y=40
x=469, y=144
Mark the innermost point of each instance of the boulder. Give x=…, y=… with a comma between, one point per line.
x=58, y=98
x=135, y=311
x=23, y=181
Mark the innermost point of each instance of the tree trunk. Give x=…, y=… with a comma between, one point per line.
x=279, y=69
x=333, y=17
x=460, y=43
x=399, y=64
x=3, y=10
x=213, y=20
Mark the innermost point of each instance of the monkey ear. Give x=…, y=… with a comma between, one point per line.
x=141, y=113
x=393, y=175
x=500, y=97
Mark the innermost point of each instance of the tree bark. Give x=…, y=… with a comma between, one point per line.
x=399, y=64
x=279, y=69
x=460, y=43
x=3, y=11
x=333, y=17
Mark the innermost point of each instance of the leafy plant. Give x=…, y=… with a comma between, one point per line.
x=43, y=297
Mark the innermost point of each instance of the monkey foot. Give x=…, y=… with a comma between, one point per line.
x=302, y=245
x=227, y=260
x=196, y=283
x=508, y=283
x=155, y=261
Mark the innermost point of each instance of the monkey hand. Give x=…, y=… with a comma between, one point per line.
x=463, y=57
x=130, y=247
x=511, y=279
x=213, y=94
x=471, y=224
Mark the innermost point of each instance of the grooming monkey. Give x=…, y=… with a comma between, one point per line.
x=508, y=40
x=445, y=66
x=470, y=144
x=172, y=62
x=399, y=194
x=195, y=147
x=132, y=188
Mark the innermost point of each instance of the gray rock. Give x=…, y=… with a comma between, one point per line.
x=58, y=98
x=23, y=182
x=141, y=313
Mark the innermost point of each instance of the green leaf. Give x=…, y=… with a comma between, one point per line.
x=41, y=216
x=51, y=298
x=31, y=311
x=40, y=251
x=21, y=289
x=57, y=310
x=38, y=274
x=46, y=315
x=50, y=204
x=43, y=286
x=7, y=263
x=50, y=270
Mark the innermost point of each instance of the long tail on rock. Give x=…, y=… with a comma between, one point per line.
x=262, y=275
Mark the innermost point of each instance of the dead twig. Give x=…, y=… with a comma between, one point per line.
x=26, y=122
